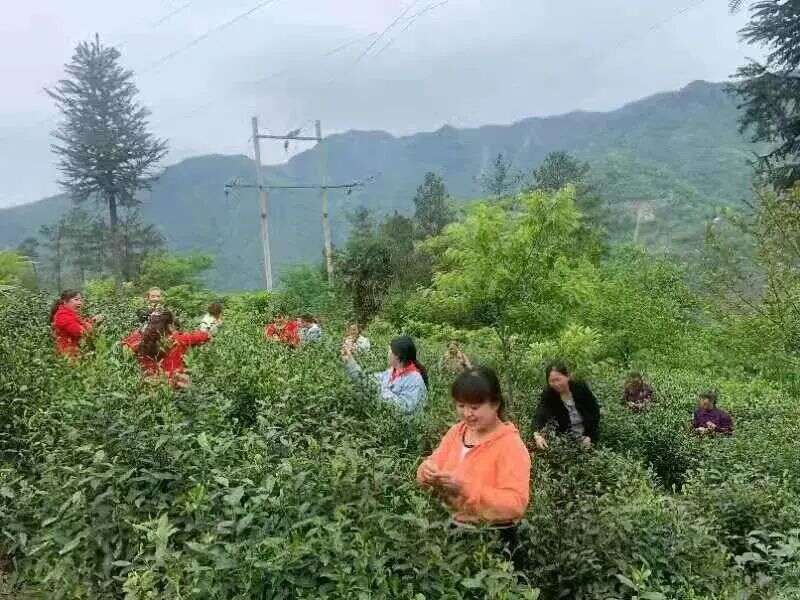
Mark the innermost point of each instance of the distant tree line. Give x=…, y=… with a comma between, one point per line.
x=78, y=247
x=387, y=259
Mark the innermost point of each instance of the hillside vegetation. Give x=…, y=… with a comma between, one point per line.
x=680, y=152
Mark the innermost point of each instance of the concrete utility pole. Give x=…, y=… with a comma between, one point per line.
x=323, y=188
x=323, y=195
x=264, y=205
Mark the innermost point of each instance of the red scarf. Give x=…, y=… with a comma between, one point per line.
x=397, y=373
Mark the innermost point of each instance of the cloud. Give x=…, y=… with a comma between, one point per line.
x=466, y=62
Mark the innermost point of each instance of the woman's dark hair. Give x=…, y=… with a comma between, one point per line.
x=557, y=366
x=406, y=352
x=711, y=396
x=215, y=309
x=478, y=385
x=308, y=318
x=65, y=297
x=157, y=327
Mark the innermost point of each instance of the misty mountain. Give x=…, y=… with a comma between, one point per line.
x=679, y=152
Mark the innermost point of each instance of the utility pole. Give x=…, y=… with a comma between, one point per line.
x=263, y=200
x=323, y=188
x=323, y=195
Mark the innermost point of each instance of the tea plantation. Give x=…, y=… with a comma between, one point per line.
x=270, y=477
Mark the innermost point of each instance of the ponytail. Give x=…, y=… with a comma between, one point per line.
x=422, y=371
x=65, y=297
x=157, y=327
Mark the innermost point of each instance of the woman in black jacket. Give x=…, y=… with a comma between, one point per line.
x=570, y=405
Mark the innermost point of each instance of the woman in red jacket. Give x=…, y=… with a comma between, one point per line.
x=161, y=349
x=284, y=330
x=69, y=328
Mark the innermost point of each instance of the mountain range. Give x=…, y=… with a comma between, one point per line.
x=679, y=153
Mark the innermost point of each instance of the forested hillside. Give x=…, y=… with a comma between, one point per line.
x=680, y=152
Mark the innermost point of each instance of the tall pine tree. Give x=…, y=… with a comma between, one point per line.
x=105, y=150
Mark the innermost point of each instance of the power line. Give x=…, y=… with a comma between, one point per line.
x=166, y=58
x=385, y=31
x=374, y=42
x=622, y=43
x=411, y=20
x=171, y=14
x=382, y=34
x=216, y=29
x=278, y=73
x=331, y=52
x=155, y=24
x=253, y=186
x=655, y=26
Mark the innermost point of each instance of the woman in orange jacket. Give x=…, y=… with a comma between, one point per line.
x=69, y=327
x=481, y=469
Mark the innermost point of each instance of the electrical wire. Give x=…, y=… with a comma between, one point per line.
x=624, y=42
x=411, y=20
x=327, y=54
x=158, y=23
x=273, y=75
x=216, y=29
x=166, y=58
x=386, y=30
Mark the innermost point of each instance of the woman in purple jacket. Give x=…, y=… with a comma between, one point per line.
x=708, y=419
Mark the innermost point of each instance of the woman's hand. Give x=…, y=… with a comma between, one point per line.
x=97, y=319
x=346, y=351
x=539, y=440
x=449, y=483
x=428, y=472
x=586, y=441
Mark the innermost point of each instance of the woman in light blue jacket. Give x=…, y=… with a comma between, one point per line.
x=404, y=383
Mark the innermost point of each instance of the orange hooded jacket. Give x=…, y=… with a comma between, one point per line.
x=495, y=475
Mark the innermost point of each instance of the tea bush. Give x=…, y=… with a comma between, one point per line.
x=271, y=477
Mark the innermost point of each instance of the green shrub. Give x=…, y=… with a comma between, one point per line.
x=272, y=475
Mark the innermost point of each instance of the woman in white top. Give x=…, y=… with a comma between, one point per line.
x=310, y=329
x=212, y=319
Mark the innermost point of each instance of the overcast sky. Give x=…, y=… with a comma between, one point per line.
x=465, y=62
